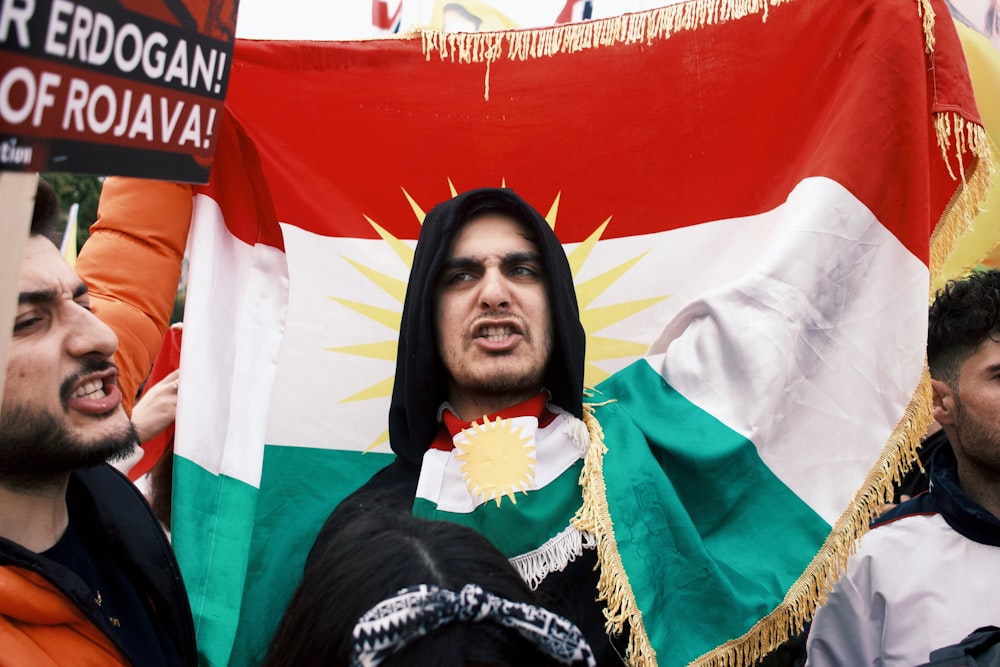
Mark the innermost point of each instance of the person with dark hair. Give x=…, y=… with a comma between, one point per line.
x=87, y=575
x=491, y=327
x=916, y=583
x=45, y=216
x=390, y=589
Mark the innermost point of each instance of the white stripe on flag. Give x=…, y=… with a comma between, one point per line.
x=314, y=381
x=234, y=322
x=783, y=354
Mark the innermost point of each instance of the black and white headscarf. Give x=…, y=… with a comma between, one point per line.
x=414, y=612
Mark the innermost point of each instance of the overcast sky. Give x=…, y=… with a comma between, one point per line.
x=351, y=19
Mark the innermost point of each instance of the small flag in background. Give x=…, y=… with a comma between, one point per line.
x=68, y=245
x=386, y=14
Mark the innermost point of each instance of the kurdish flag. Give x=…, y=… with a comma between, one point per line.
x=753, y=195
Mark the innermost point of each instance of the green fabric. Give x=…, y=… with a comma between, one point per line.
x=694, y=511
x=213, y=569
x=301, y=486
x=547, y=510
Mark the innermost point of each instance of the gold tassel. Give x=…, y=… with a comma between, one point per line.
x=970, y=139
x=926, y=12
x=633, y=28
x=640, y=27
x=613, y=585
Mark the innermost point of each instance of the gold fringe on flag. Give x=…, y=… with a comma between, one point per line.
x=613, y=585
x=926, y=12
x=640, y=27
x=970, y=140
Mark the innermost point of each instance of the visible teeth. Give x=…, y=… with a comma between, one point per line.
x=90, y=389
x=496, y=334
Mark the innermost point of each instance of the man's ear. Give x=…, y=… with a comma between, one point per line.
x=944, y=402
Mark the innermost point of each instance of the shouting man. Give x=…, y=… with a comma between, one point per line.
x=88, y=576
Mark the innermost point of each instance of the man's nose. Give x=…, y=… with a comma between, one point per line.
x=494, y=290
x=89, y=335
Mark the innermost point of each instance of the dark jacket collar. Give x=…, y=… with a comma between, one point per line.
x=963, y=514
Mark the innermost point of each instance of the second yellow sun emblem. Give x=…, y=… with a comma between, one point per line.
x=497, y=460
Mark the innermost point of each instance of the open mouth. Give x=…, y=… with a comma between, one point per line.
x=495, y=333
x=91, y=389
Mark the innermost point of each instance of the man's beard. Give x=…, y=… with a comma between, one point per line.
x=35, y=447
x=503, y=389
x=979, y=440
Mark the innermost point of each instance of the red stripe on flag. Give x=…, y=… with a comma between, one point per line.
x=343, y=128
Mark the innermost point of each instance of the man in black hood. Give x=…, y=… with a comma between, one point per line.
x=491, y=330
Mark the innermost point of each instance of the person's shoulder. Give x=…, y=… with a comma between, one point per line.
x=923, y=504
x=110, y=496
x=902, y=535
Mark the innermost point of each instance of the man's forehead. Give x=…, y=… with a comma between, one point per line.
x=43, y=268
x=497, y=227
x=982, y=361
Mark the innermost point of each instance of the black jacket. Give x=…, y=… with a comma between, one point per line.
x=107, y=508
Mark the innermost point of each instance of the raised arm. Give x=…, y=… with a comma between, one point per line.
x=132, y=263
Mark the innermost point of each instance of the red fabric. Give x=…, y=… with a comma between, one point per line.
x=451, y=425
x=168, y=360
x=357, y=118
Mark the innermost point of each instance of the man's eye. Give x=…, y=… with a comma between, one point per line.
x=26, y=323
x=460, y=277
x=524, y=271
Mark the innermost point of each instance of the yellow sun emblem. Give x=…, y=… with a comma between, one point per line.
x=496, y=460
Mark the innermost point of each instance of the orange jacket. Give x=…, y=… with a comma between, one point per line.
x=40, y=626
x=132, y=263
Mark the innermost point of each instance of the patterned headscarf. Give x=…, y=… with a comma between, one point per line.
x=416, y=611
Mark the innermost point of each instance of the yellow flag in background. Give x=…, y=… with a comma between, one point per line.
x=982, y=245
x=68, y=245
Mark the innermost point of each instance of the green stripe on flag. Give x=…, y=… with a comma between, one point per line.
x=710, y=540
x=212, y=519
x=547, y=510
x=300, y=487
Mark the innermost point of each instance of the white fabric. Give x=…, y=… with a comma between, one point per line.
x=338, y=352
x=914, y=586
x=232, y=287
